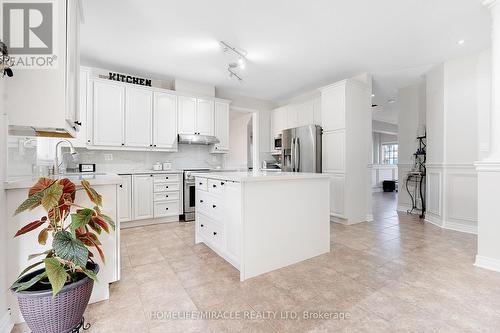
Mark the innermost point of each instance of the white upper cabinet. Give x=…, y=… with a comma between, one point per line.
x=292, y=116
x=46, y=99
x=278, y=121
x=221, y=127
x=165, y=121
x=138, y=117
x=305, y=114
x=108, y=113
x=82, y=136
x=333, y=107
x=205, y=117
x=187, y=115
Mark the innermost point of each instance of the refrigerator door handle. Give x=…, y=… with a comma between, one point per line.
x=292, y=157
x=297, y=154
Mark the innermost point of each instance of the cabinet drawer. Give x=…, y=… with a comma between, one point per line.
x=166, y=187
x=166, y=196
x=202, y=225
x=210, y=205
x=216, y=234
x=166, y=178
x=201, y=184
x=215, y=186
x=166, y=208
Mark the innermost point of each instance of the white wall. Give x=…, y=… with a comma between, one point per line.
x=238, y=139
x=412, y=107
x=455, y=90
x=5, y=322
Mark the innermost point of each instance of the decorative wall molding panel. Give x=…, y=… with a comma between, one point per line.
x=452, y=196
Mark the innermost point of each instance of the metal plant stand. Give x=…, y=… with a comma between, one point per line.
x=416, y=178
x=81, y=325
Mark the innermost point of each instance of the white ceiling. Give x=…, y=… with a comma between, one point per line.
x=292, y=46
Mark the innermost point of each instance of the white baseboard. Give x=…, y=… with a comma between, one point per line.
x=487, y=263
x=6, y=323
x=450, y=225
x=369, y=218
x=146, y=222
x=345, y=221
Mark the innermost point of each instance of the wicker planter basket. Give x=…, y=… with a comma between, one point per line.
x=46, y=314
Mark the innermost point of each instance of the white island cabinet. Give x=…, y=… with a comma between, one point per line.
x=262, y=221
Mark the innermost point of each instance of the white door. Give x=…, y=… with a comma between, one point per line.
x=143, y=196
x=164, y=120
x=222, y=126
x=138, y=117
x=205, y=121
x=125, y=199
x=108, y=113
x=186, y=115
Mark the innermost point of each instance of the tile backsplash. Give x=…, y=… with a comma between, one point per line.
x=25, y=154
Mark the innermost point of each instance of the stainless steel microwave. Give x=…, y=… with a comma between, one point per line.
x=277, y=142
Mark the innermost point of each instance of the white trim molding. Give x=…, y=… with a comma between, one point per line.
x=452, y=199
x=6, y=323
x=487, y=263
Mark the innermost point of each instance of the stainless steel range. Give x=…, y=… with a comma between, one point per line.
x=189, y=193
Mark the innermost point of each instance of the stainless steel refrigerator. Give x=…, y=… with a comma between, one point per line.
x=301, y=149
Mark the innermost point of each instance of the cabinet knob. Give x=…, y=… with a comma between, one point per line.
x=201, y=201
x=166, y=177
x=215, y=234
x=123, y=144
x=166, y=208
x=202, y=225
x=88, y=141
x=222, y=183
x=155, y=145
x=151, y=145
x=121, y=186
x=166, y=196
x=150, y=175
x=213, y=206
x=201, y=183
x=214, y=186
x=166, y=186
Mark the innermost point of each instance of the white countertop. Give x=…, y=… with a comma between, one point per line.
x=93, y=178
x=259, y=176
x=142, y=172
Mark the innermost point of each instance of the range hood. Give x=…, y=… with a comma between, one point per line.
x=197, y=139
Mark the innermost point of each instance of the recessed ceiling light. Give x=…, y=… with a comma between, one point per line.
x=373, y=95
x=461, y=42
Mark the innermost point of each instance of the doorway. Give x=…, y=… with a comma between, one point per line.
x=243, y=139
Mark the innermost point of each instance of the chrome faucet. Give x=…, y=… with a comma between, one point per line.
x=57, y=163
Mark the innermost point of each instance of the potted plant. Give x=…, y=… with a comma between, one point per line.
x=53, y=298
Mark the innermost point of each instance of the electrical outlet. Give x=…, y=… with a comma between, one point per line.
x=108, y=157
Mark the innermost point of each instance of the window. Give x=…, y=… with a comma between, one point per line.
x=390, y=153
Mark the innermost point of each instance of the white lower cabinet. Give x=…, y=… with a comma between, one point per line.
x=218, y=218
x=143, y=197
x=125, y=199
x=149, y=197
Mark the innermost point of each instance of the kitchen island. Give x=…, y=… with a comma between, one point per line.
x=23, y=246
x=261, y=221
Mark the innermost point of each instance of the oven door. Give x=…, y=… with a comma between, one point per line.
x=189, y=196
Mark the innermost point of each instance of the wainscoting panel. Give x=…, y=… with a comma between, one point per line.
x=334, y=151
x=434, y=195
x=337, y=189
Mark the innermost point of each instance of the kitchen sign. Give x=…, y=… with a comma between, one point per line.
x=129, y=79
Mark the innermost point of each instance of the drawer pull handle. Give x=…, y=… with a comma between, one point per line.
x=201, y=201
x=166, y=195
x=222, y=183
x=121, y=186
x=214, y=186
x=213, y=206
x=201, y=183
x=215, y=234
x=202, y=225
x=166, y=177
x=166, y=208
x=166, y=186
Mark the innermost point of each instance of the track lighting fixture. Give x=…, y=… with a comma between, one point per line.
x=239, y=64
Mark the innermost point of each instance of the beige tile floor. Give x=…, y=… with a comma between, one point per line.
x=395, y=274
